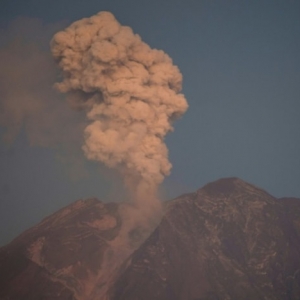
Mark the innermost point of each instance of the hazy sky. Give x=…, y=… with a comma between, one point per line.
x=240, y=62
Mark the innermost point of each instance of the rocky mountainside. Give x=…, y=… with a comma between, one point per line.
x=60, y=258
x=228, y=240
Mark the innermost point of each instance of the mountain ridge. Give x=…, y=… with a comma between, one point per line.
x=221, y=234
x=227, y=240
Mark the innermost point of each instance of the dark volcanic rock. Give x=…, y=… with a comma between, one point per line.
x=229, y=240
x=60, y=257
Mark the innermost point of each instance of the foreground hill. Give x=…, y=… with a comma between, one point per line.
x=228, y=240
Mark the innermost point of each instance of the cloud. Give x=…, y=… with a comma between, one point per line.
x=130, y=93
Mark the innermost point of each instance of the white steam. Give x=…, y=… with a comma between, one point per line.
x=131, y=95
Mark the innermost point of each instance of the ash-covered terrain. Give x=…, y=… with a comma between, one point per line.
x=228, y=240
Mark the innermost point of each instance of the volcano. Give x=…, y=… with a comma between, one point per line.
x=228, y=240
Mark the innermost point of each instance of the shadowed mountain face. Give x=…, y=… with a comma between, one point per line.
x=229, y=240
x=60, y=258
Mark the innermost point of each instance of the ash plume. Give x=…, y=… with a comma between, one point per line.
x=131, y=95
x=123, y=97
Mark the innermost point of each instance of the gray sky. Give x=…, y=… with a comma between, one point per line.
x=240, y=62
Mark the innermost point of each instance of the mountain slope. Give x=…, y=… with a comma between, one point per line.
x=60, y=258
x=229, y=240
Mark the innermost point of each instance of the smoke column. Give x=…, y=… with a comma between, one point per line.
x=131, y=95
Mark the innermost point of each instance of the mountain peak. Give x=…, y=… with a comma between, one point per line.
x=224, y=242
x=222, y=186
x=227, y=186
x=229, y=240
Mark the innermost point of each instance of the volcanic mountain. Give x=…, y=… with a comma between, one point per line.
x=228, y=240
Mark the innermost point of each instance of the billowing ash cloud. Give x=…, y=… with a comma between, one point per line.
x=126, y=96
x=130, y=92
